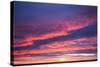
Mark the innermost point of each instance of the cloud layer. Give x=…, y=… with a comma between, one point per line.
x=50, y=31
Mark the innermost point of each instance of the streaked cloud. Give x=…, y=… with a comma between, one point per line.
x=54, y=33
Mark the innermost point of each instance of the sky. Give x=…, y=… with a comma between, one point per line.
x=44, y=32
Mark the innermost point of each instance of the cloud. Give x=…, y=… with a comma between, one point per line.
x=54, y=33
x=88, y=31
x=40, y=51
x=82, y=54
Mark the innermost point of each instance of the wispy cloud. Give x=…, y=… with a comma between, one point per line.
x=52, y=31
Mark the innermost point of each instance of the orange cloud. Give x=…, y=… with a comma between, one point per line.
x=40, y=51
x=45, y=36
x=28, y=40
x=58, y=44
